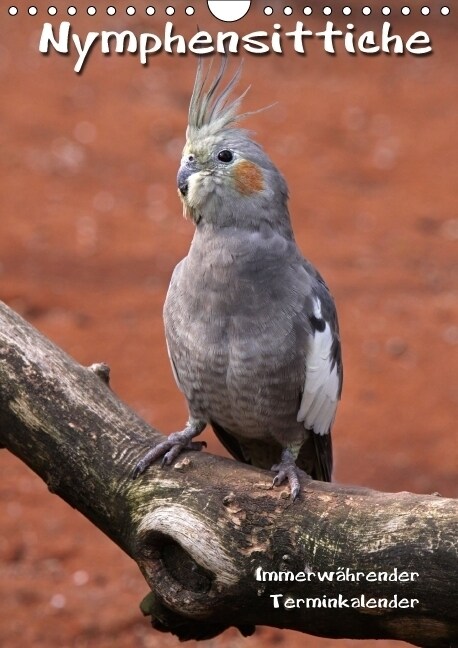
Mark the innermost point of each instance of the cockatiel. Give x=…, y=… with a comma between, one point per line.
x=251, y=327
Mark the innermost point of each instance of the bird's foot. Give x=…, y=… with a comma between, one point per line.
x=287, y=471
x=172, y=447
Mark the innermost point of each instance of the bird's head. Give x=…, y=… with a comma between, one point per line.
x=225, y=178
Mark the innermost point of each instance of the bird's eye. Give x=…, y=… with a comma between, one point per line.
x=225, y=156
x=191, y=158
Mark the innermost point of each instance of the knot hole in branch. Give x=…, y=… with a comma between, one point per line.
x=173, y=563
x=184, y=559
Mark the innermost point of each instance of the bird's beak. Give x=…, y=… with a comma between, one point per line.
x=186, y=170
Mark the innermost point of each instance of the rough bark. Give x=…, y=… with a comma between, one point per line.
x=199, y=529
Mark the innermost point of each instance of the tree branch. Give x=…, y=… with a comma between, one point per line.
x=200, y=529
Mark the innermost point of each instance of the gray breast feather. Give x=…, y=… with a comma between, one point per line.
x=256, y=352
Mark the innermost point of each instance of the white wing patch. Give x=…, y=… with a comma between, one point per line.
x=319, y=400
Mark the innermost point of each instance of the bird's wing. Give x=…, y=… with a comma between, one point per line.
x=172, y=364
x=168, y=322
x=230, y=442
x=322, y=383
x=319, y=457
x=323, y=378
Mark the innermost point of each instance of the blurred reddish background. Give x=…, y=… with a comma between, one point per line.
x=91, y=229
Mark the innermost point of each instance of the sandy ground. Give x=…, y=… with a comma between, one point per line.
x=91, y=229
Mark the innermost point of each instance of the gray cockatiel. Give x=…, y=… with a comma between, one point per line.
x=251, y=327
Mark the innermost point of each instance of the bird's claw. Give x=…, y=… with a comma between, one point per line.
x=287, y=471
x=177, y=448
x=168, y=450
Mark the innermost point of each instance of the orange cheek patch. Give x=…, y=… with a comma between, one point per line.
x=248, y=178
